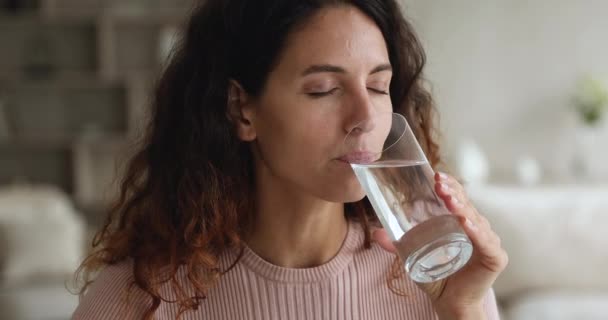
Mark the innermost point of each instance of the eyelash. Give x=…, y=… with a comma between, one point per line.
x=327, y=93
x=322, y=94
x=378, y=91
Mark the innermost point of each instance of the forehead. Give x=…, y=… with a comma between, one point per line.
x=340, y=35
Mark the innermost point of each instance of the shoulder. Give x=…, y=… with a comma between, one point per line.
x=114, y=295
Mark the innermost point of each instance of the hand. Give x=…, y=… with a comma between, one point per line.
x=462, y=293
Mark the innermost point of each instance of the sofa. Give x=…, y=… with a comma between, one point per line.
x=41, y=244
x=557, y=240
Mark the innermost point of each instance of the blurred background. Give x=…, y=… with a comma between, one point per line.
x=521, y=88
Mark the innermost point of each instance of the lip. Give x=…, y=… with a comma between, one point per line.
x=359, y=157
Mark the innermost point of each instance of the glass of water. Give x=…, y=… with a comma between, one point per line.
x=399, y=182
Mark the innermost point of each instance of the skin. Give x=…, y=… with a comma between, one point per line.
x=329, y=78
x=333, y=74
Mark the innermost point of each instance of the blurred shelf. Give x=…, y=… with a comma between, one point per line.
x=157, y=16
x=120, y=11
x=76, y=78
x=94, y=212
x=88, y=11
x=19, y=7
x=66, y=141
x=59, y=80
x=37, y=165
x=30, y=144
x=38, y=19
x=42, y=48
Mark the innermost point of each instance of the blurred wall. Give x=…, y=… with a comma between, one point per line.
x=503, y=73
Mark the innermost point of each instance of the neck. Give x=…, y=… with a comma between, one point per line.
x=294, y=230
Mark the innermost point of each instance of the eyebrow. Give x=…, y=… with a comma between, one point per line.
x=382, y=67
x=320, y=68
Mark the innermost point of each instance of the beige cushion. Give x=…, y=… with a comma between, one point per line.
x=556, y=237
x=559, y=305
x=41, y=233
x=37, y=300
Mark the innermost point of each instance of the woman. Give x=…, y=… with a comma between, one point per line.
x=238, y=204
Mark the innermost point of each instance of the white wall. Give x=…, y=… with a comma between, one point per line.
x=503, y=72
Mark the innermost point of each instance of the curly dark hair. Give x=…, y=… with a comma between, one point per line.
x=186, y=194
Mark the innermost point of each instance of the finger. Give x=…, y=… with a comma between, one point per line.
x=449, y=196
x=444, y=177
x=449, y=182
x=468, y=211
x=447, y=186
x=439, y=176
x=381, y=237
x=486, y=242
x=487, y=245
x=455, y=202
x=444, y=190
x=458, y=202
x=453, y=188
x=455, y=194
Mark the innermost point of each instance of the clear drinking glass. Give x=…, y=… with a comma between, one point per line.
x=399, y=182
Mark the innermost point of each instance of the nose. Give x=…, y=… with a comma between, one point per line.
x=361, y=113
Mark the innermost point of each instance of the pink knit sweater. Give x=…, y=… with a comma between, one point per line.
x=350, y=286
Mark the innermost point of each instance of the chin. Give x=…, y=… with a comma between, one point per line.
x=354, y=199
x=339, y=186
x=345, y=194
x=354, y=195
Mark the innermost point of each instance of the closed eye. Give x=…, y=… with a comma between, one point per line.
x=322, y=93
x=378, y=91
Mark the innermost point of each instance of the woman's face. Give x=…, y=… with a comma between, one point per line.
x=333, y=73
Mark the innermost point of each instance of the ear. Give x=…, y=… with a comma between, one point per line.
x=240, y=111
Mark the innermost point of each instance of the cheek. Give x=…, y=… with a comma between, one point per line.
x=291, y=149
x=300, y=147
x=305, y=156
x=300, y=136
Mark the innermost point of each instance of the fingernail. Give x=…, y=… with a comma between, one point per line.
x=470, y=225
x=457, y=203
x=443, y=187
x=443, y=175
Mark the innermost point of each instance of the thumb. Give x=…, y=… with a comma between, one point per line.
x=380, y=236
